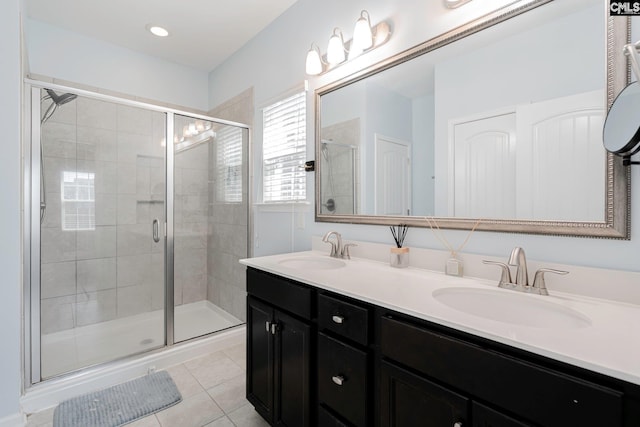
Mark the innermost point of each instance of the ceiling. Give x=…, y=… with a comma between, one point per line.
x=203, y=33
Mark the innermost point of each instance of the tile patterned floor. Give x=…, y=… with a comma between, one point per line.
x=213, y=389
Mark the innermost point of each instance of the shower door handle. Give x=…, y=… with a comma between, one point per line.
x=156, y=230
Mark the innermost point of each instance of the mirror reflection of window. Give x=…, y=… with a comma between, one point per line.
x=78, y=201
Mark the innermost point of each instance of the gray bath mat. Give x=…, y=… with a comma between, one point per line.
x=120, y=404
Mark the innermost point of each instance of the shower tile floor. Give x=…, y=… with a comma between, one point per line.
x=89, y=345
x=212, y=388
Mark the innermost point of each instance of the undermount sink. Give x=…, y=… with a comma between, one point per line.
x=511, y=307
x=312, y=263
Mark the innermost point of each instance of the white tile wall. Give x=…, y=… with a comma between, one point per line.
x=95, y=275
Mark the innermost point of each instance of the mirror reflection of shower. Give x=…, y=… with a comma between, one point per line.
x=339, y=194
x=56, y=101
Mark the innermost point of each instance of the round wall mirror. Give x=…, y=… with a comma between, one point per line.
x=621, y=133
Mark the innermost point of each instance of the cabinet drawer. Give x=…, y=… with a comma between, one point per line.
x=484, y=416
x=282, y=293
x=538, y=394
x=342, y=379
x=349, y=320
x=327, y=419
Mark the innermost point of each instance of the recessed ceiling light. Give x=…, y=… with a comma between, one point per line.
x=157, y=30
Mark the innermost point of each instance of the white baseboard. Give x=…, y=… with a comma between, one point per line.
x=51, y=392
x=16, y=420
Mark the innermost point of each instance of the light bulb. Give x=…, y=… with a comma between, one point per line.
x=362, y=34
x=335, y=50
x=314, y=63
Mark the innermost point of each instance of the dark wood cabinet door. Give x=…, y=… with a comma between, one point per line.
x=260, y=357
x=408, y=400
x=292, y=375
x=484, y=416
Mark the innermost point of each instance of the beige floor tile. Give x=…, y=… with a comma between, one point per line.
x=238, y=354
x=148, y=421
x=246, y=416
x=41, y=419
x=204, y=361
x=195, y=411
x=221, y=422
x=230, y=395
x=213, y=369
x=186, y=383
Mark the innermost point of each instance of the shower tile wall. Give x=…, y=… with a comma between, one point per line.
x=112, y=269
x=228, y=222
x=348, y=133
x=191, y=219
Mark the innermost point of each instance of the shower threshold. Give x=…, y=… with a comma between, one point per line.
x=84, y=346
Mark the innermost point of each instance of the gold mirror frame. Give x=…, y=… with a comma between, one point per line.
x=616, y=224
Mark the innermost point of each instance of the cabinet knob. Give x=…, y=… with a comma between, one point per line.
x=457, y=424
x=337, y=319
x=338, y=379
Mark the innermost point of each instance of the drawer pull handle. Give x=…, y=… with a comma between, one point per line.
x=267, y=326
x=338, y=379
x=337, y=319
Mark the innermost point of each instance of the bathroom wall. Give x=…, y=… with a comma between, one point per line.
x=286, y=42
x=113, y=269
x=67, y=56
x=10, y=191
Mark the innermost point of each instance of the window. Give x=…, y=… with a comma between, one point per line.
x=78, y=201
x=284, y=150
x=229, y=165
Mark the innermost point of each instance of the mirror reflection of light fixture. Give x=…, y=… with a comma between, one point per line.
x=452, y=4
x=365, y=38
x=335, y=49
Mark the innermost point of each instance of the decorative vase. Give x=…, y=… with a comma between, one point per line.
x=399, y=257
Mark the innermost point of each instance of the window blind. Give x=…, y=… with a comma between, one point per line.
x=229, y=165
x=284, y=150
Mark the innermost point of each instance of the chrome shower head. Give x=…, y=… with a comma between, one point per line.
x=61, y=99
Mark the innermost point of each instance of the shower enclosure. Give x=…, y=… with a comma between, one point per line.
x=136, y=217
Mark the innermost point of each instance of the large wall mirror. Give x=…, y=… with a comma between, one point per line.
x=500, y=120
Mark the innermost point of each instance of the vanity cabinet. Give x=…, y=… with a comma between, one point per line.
x=279, y=351
x=539, y=395
x=317, y=358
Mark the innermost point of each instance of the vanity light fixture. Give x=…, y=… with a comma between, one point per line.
x=362, y=34
x=157, y=30
x=314, y=60
x=452, y=4
x=336, y=49
x=365, y=38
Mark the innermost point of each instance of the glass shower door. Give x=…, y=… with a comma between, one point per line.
x=101, y=254
x=210, y=223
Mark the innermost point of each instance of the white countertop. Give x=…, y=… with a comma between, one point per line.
x=610, y=345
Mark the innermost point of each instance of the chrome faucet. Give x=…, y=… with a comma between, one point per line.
x=336, y=247
x=518, y=259
x=338, y=250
